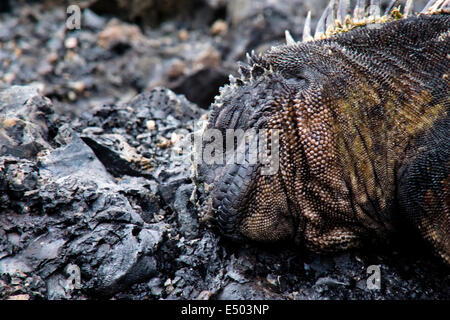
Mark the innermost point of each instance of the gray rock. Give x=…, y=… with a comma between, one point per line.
x=25, y=121
x=83, y=214
x=150, y=104
x=130, y=260
x=92, y=20
x=236, y=291
x=330, y=282
x=187, y=217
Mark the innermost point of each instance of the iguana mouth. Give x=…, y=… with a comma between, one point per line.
x=231, y=196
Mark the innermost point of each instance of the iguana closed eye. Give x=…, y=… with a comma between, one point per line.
x=362, y=109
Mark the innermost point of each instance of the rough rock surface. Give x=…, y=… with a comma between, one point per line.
x=61, y=206
x=102, y=195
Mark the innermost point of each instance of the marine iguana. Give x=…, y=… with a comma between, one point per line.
x=362, y=108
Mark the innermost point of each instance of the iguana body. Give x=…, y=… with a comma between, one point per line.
x=364, y=126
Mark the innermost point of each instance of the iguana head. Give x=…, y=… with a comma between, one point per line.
x=279, y=92
x=274, y=99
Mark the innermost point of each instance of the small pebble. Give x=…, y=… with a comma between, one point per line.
x=151, y=125
x=71, y=43
x=219, y=27
x=183, y=35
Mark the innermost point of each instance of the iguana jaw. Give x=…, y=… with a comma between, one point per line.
x=230, y=199
x=240, y=213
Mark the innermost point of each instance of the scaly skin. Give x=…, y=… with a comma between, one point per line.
x=364, y=139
